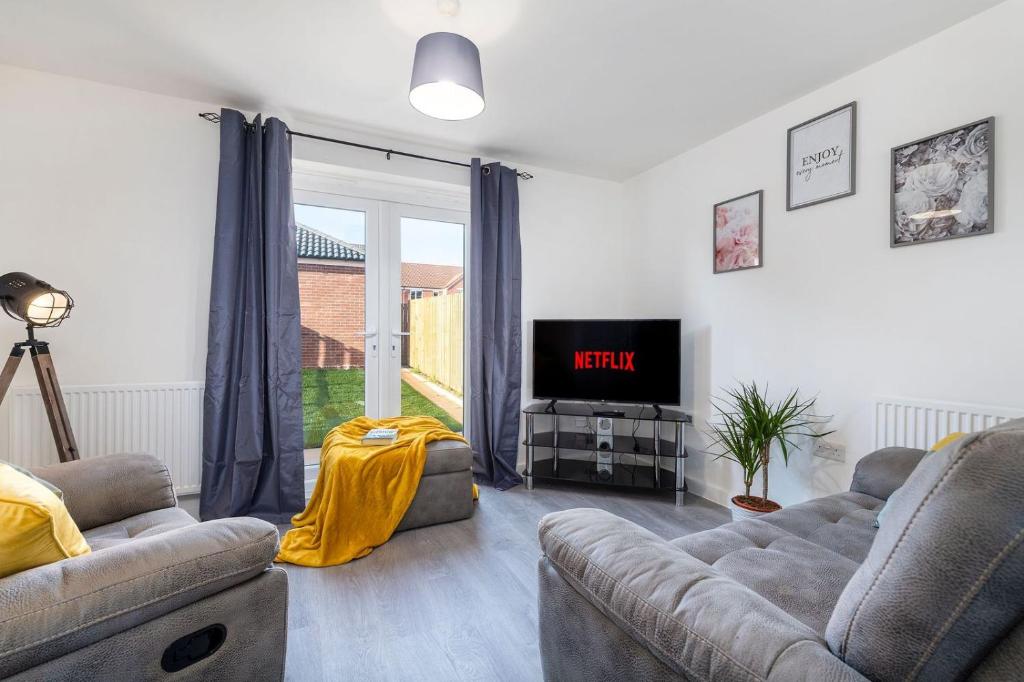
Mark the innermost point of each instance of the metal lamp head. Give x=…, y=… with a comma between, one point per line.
x=31, y=300
x=447, y=82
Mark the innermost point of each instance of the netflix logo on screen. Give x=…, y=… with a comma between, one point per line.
x=625, y=361
x=603, y=359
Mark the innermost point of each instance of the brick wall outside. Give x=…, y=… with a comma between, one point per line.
x=332, y=302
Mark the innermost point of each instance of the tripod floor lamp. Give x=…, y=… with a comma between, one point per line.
x=37, y=304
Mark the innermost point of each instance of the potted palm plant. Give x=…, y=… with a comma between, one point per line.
x=747, y=427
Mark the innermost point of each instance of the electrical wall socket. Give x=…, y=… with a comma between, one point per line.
x=828, y=450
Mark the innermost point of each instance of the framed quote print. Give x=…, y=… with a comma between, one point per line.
x=821, y=159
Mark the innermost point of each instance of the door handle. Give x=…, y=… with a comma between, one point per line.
x=394, y=346
x=370, y=334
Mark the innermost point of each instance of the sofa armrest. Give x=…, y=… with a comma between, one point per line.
x=699, y=623
x=101, y=490
x=51, y=610
x=883, y=471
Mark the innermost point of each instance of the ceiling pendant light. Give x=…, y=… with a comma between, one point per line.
x=446, y=79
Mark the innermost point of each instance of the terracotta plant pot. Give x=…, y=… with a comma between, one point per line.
x=749, y=507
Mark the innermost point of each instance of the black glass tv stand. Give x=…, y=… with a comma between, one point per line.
x=654, y=463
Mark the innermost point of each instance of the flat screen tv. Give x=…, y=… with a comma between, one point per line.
x=618, y=361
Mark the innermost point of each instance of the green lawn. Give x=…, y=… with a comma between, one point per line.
x=333, y=396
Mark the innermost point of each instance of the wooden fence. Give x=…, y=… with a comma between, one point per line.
x=435, y=339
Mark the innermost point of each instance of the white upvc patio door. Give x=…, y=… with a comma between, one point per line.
x=339, y=253
x=383, y=302
x=426, y=280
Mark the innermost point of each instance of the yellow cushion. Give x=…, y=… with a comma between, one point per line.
x=956, y=435
x=35, y=526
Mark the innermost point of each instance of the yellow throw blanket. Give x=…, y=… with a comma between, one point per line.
x=362, y=491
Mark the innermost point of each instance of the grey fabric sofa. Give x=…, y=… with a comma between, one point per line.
x=811, y=592
x=155, y=576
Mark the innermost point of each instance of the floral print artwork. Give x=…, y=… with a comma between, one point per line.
x=942, y=186
x=738, y=233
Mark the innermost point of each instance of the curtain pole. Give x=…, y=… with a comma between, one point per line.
x=215, y=118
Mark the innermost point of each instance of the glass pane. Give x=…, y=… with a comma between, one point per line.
x=432, y=307
x=332, y=298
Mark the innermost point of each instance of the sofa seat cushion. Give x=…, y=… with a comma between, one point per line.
x=799, y=558
x=447, y=456
x=843, y=523
x=800, y=577
x=139, y=526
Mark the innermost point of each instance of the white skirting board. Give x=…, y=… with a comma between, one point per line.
x=165, y=420
x=913, y=423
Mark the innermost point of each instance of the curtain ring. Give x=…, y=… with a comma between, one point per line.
x=486, y=170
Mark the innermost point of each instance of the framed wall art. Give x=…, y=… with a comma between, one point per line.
x=738, y=233
x=942, y=185
x=821, y=161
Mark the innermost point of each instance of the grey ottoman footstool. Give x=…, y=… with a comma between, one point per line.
x=446, y=489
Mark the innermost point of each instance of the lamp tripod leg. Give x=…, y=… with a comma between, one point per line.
x=56, y=411
x=10, y=367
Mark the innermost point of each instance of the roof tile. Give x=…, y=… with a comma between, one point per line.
x=428, y=276
x=312, y=243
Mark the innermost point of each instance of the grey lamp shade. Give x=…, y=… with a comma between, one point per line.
x=446, y=78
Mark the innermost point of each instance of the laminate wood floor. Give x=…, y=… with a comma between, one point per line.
x=455, y=601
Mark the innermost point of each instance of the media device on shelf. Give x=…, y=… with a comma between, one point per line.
x=605, y=465
x=607, y=361
x=605, y=444
x=605, y=433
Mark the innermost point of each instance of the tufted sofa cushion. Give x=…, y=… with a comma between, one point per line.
x=143, y=525
x=819, y=521
x=799, y=558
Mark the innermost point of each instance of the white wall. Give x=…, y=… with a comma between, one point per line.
x=835, y=311
x=111, y=193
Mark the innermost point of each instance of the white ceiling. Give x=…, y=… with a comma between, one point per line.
x=606, y=88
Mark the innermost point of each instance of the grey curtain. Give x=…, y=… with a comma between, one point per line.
x=252, y=416
x=495, y=324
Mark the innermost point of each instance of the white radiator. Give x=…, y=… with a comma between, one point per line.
x=920, y=423
x=165, y=420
